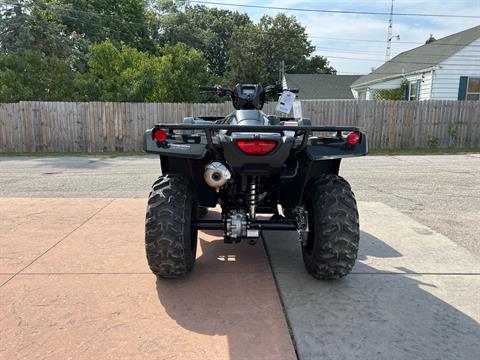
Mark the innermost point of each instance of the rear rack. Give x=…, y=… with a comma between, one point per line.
x=261, y=128
x=304, y=130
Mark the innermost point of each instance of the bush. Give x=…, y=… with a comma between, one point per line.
x=392, y=94
x=31, y=75
x=113, y=74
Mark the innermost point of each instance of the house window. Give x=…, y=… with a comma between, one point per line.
x=473, y=88
x=414, y=90
x=469, y=88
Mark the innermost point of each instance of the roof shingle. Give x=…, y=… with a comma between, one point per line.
x=321, y=86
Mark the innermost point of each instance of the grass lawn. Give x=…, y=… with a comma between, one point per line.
x=423, y=151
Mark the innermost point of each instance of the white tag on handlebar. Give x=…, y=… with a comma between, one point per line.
x=285, y=102
x=297, y=109
x=289, y=132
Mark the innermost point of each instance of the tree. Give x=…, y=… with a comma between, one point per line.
x=120, y=21
x=31, y=25
x=117, y=74
x=169, y=25
x=31, y=75
x=285, y=39
x=314, y=65
x=131, y=50
x=256, y=51
x=181, y=71
x=246, y=57
x=126, y=74
x=206, y=29
x=217, y=27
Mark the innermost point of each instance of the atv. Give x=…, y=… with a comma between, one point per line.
x=251, y=163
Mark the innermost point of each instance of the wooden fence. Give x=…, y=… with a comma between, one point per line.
x=98, y=126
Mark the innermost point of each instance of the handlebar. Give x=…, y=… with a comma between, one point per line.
x=271, y=90
x=242, y=100
x=277, y=89
x=207, y=88
x=217, y=89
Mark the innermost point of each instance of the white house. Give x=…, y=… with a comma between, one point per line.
x=444, y=69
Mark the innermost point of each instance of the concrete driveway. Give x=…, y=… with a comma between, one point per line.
x=413, y=294
x=74, y=281
x=75, y=285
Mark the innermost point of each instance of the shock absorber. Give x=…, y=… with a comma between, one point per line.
x=252, y=196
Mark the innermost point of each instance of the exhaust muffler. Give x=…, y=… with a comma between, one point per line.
x=216, y=174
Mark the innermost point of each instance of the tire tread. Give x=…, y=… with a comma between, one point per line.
x=336, y=231
x=168, y=227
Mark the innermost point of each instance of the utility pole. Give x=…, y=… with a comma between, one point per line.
x=281, y=70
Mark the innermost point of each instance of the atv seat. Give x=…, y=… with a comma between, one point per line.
x=192, y=121
x=305, y=122
x=273, y=120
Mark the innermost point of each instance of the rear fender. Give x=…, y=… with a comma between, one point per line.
x=194, y=170
x=177, y=145
x=256, y=165
x=293, y=193
x=319, y=148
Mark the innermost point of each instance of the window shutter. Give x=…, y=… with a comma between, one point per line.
x=419, y=83
x=406, y=95
x=462, y=88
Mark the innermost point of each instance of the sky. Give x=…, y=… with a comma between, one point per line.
x=367, y=55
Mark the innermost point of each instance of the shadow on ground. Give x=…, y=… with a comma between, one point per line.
x=64, y=163
x=230, y=294
x=241, y=308
x=67, y=163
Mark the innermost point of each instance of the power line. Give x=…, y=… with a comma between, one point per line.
x=349, y=51
x=362, y=40
x=322, y=50
x=332, y=11
x=71, y=10
x=398, y=62
x=377, y=73
x=383, y=41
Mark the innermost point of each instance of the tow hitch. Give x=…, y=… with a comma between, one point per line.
x=237, y=228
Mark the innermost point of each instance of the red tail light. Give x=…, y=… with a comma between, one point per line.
x=256, y=147
x=159, y=135
x=353, y=138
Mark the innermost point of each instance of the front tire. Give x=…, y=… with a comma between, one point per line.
x=170, y=239
x=332, y=245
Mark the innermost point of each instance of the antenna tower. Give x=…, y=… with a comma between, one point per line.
x=389, y=35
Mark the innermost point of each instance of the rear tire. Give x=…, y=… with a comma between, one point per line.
x=332, y=245
x=170, y=239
